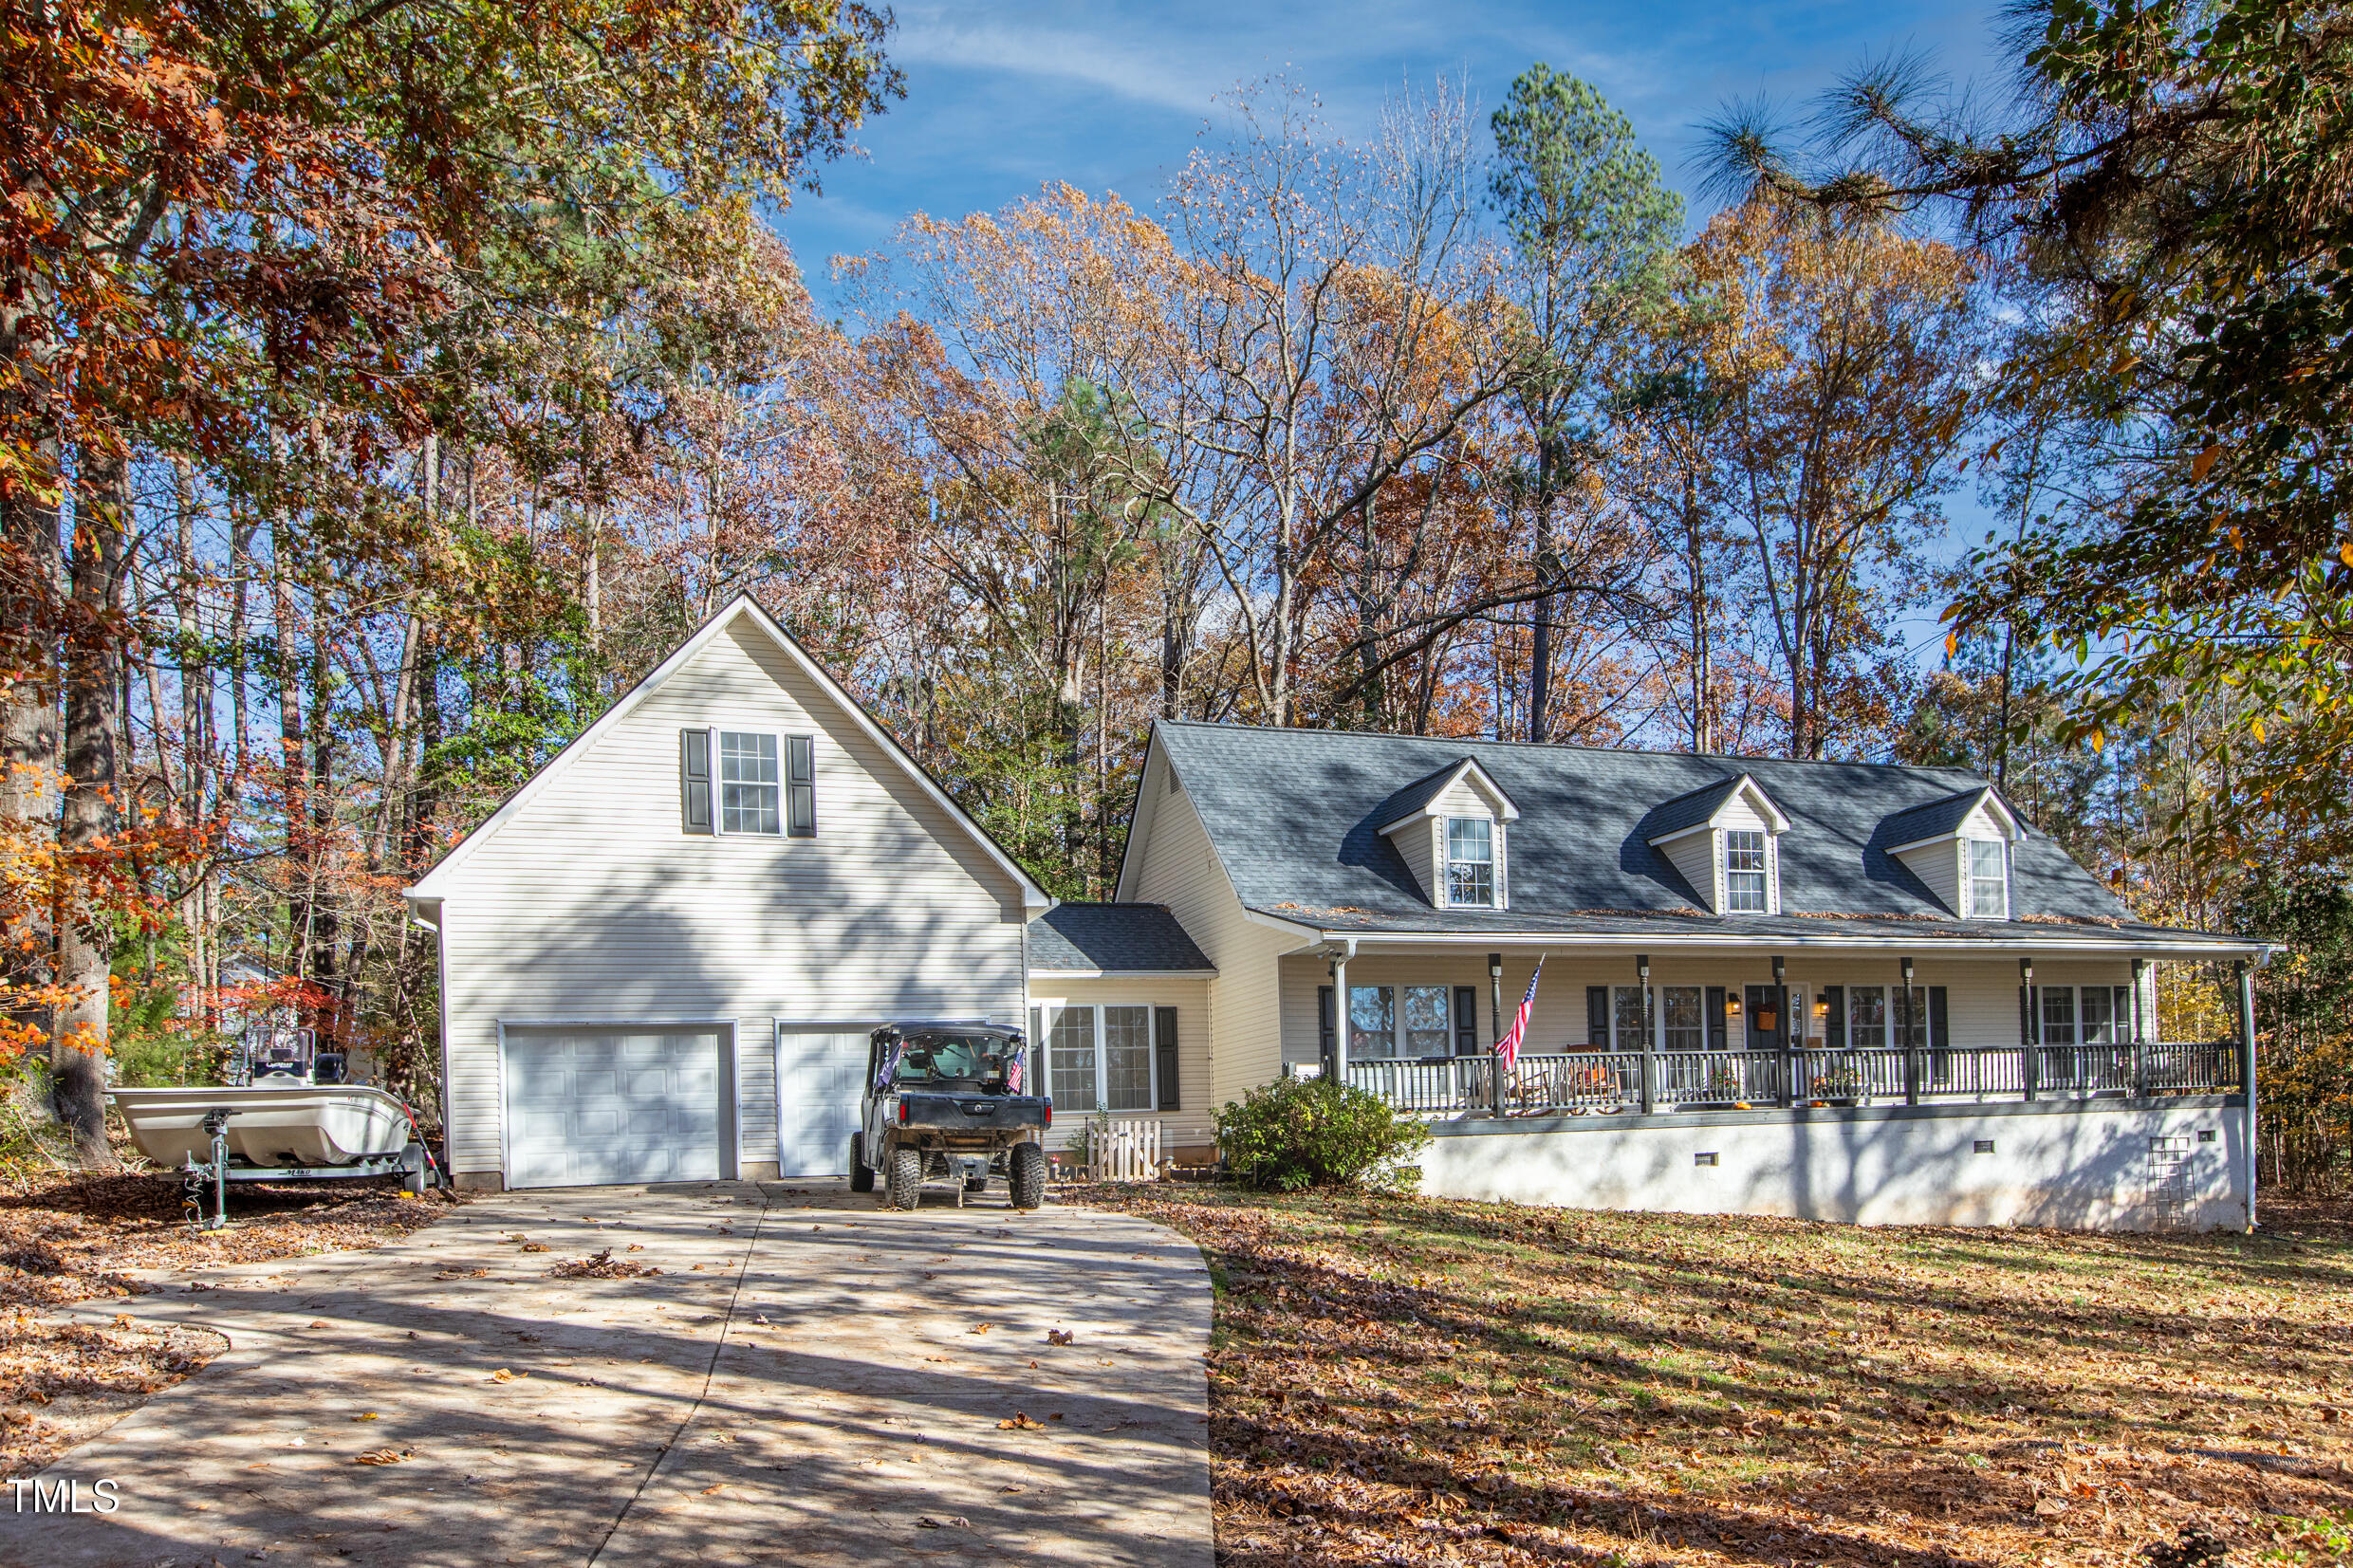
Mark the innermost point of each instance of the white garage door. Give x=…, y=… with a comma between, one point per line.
x=591, y=1106
x=818, y=1079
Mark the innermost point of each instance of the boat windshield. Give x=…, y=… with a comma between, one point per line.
x=947, y=1056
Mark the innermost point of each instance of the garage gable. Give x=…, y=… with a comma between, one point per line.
x=709, y=678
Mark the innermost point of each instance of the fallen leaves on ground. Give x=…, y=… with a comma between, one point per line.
x=1057, y=1335
x=67, y=1238
x=1419, y=1381
x=381, y=1456
x=1020, y=1423
x=603, y=1265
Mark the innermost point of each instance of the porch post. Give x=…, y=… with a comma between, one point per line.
x=1341, y=1022
x=1911, y=1053
x=1495, y=1006
x=2247, y=1078
x=2141, y=1043
x=1650, y=1048
x=1792, y=1034
x=2030, y=1037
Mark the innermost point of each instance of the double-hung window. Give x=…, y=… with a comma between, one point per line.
x=1681, y=1022
x=1428, y=1021
x=748, y=785
x=1744, y=890
x=1471, y=862
x=1987, y=871
x=1866, y=1017
x=1098, y=1058
x=1372, y=1022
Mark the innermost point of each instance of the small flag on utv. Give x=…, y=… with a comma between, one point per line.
x=1509, y=1046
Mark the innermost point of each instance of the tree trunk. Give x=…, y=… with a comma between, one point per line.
x=94, y=669
x=32, y=568
x=1540, y=643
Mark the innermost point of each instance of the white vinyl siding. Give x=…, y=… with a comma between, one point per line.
x=1192, y=1125
x=590, y=903
x=1177, y=868
x=1694, y=855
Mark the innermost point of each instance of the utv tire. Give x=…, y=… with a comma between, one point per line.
x=906, y=1178
x=861, y=1174
x=1028, y=1176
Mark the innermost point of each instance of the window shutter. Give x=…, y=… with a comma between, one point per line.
x=1466, y=1021
x=1834, y=1021
x=2120, y=1021
x=800, y=786
x=1719, y=1026
x=695, y=780
x=1940, y=1034
x=1597, y=1017
x=1164, y=1052
x=1323, y=1041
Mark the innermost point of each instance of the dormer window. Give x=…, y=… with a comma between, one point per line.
x=1724, y=840
x=1747, y=883
x=1959, y=847
x=1471, y=862
x=1986, y=874
x=1452, y=829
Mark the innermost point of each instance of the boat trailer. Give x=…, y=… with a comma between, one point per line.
x=415, y=1164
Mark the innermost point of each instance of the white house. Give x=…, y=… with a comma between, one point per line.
x=1850, y=990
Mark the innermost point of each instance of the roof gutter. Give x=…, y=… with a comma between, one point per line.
x=2255, y=951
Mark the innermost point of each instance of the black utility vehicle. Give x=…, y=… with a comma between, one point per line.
x=950, y=1103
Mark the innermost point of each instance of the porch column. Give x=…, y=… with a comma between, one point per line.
x=1495, y=1061
x=2030, y=1036
x=1792, y=1034
x=1650, y=1047
x=2139, y=1040
x=1339, y=1016
x=2247, y=1078
x=1911, y=1053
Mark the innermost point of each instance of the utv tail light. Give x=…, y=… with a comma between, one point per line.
x=1049, y=1113
x=903, y=1113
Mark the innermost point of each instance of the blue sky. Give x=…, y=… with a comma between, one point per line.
x=1002, y=98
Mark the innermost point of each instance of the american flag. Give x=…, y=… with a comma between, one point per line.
x=1013, y=1071
x=1509, y=1046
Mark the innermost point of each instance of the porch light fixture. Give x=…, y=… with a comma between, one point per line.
x=1731, y=1005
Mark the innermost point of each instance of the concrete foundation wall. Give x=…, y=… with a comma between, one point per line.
x=2129, y=1168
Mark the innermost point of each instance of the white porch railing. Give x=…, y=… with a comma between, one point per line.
x=1580, y=1081
x=1123, y=1150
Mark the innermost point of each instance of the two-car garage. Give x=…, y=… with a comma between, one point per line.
x=594, y=1103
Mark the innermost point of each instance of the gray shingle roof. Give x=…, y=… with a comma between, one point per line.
x=1130, y=938
x=1688, y=810
x=1295, y=816
x=1932, y=820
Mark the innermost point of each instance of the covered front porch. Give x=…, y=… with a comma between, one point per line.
x=1661, y=1029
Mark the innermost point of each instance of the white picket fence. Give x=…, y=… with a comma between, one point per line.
x=1123, y=1150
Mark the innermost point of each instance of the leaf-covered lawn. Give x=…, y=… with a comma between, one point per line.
x=1414, y=1380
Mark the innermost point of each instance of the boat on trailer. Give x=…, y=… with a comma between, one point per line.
x=294, y=1120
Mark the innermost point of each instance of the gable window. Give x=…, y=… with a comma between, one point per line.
x=1986, y=874
x=1470, y=861
x=747, y=784
x=1744, y=871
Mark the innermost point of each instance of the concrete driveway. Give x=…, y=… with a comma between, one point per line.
x=808, y=1380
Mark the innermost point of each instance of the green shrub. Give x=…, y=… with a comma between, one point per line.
x=1318, y=1133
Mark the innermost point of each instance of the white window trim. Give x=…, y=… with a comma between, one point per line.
x=718, y=786
x=1724, y=870
x=1969, y=879
x=1049, y=1009
x=1446, y=861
